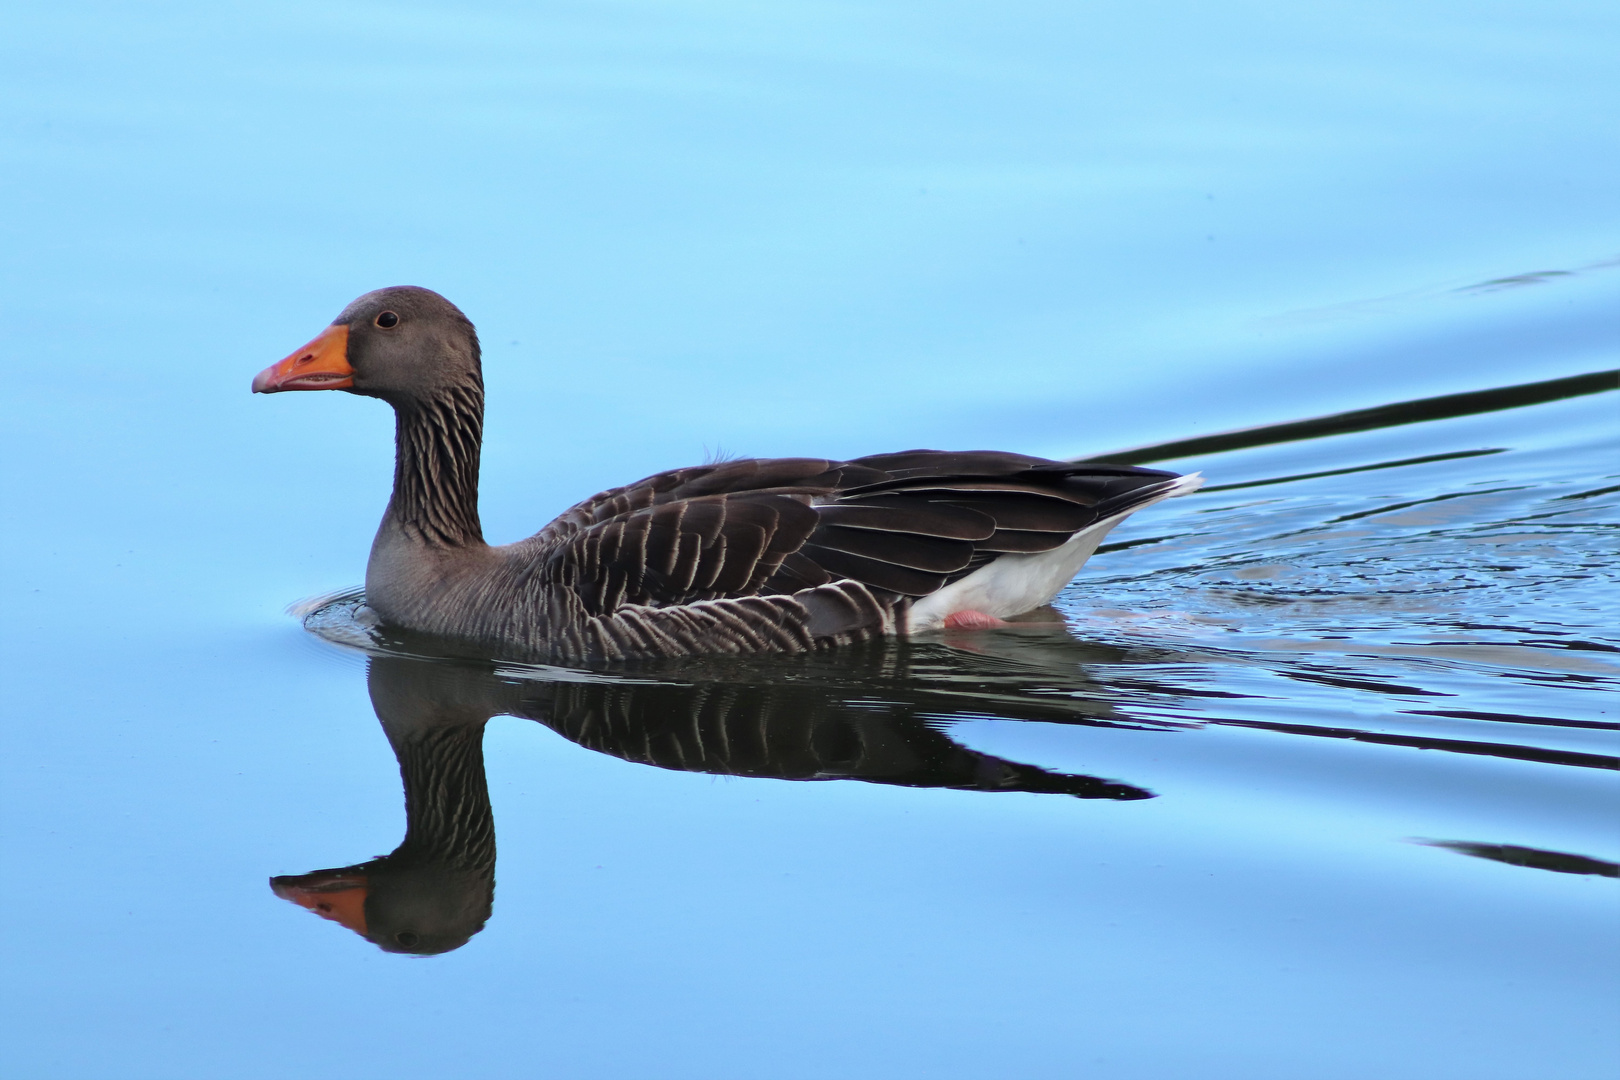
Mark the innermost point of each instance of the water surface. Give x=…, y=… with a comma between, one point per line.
x=1313, y=777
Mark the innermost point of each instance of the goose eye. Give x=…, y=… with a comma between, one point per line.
x=388, y=320
x=405, y=937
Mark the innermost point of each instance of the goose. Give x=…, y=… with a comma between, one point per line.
x=753, y=555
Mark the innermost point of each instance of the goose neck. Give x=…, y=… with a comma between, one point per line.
x=448, y=818
x=437, y=442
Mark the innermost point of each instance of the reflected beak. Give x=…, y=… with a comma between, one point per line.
x=323, y=364
x=340, y=897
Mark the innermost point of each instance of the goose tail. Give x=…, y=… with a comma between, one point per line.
x=1015, y=583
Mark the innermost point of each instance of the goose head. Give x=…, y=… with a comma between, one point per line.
x=400, y=903
x=399, y=344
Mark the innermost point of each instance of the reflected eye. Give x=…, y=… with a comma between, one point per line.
x=388, y=320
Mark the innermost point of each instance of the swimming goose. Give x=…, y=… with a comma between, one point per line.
x=756, y=555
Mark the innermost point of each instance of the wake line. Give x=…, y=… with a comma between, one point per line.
x=1417, y=411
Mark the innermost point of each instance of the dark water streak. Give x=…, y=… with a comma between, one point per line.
x=1396, y=414
x=1559, y=862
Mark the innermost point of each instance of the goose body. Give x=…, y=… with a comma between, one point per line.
x=755, y=555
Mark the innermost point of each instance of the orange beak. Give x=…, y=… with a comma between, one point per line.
x=341, y=899
x=323, y=364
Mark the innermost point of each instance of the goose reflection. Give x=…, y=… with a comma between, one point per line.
x=873, y=713
x=435, y=890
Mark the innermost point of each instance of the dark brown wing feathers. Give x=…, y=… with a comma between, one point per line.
x=877, y=573
x=798, y=571
x=907, y=513
x=1013, y=507
x=905, y=524
x=910, y=464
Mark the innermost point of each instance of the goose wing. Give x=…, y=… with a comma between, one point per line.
x=904, y=524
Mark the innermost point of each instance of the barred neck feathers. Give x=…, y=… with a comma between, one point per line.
x=436, y=451
x=447, y=809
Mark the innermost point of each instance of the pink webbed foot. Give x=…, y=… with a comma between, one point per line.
x=973, y=620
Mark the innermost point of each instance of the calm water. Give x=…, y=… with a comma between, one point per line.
x=1311, y=774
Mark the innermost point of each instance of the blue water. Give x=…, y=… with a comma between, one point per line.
x=831, y=230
